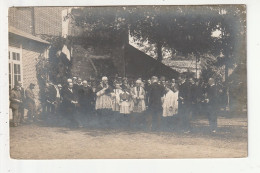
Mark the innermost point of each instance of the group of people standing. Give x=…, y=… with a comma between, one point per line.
x=155, y=100
x=21, y=99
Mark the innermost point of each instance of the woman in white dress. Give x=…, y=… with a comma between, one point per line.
x=116, y=97
x=125, y=102
x=170, y=102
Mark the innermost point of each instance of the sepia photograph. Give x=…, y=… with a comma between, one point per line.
x=128, y=82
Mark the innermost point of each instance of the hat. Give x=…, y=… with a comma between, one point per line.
x=84, y=82
x=69, y=80
x=138, y=81
x=59, y=85
x=32, y=84
x=104, y=78
x=154, y=78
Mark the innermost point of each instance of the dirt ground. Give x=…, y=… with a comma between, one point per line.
x=52, y=140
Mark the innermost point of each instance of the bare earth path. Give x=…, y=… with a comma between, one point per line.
x=36, y=141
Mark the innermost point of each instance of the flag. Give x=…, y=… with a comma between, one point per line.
x=66, y=51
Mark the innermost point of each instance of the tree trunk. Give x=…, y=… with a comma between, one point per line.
x=226, y=86
x=159, y=52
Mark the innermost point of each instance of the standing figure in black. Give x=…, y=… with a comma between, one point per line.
x=187, y=104
x=212, y=104
x=155, y=93
x=86, y=99
x=51, y=99
x=70, y=102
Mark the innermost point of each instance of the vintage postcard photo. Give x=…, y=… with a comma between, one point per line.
x=128, y=82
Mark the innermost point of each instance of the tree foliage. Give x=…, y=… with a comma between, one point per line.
x=186, y=29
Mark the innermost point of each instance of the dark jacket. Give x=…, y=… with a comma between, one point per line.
x=69, y=96
x=212, y=96
x=86, y=96
x=51, y=94
x=155, y=93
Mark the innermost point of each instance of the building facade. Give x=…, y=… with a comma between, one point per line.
x=26, y=25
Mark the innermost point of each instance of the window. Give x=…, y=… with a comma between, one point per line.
x=15, y=66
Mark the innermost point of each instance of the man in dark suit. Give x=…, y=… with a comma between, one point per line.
x=86, y=98
x=212, y=104
x=187, y=99
x=155, y=93
x=77, y=85
x=69, y=103
x=51, y=102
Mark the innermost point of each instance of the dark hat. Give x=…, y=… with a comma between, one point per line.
x=32, y=84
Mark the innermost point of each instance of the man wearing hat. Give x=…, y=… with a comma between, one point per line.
x=16, y=100
x=30, y=101
x=155, y=93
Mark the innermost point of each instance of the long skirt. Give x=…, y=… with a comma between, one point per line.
x=104, y=102
x=125, y=107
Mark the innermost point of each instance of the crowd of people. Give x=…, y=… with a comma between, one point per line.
x=159, y=101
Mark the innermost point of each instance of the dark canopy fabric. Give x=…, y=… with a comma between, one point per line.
x=139, y=64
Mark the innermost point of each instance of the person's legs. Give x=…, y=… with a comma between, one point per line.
x=212, y=120
x=15, y=117
x=156, y=119
x=30, y=112
x=149, y=120
x=133, y=120
x=186, y=119
x=21, y=111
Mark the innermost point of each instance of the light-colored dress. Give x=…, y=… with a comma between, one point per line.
x=103, y=100
x=125, y=103
x=170, y=103
x=138, y=96
x=116, y=99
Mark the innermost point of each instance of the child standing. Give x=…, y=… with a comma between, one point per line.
x=125, y=102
